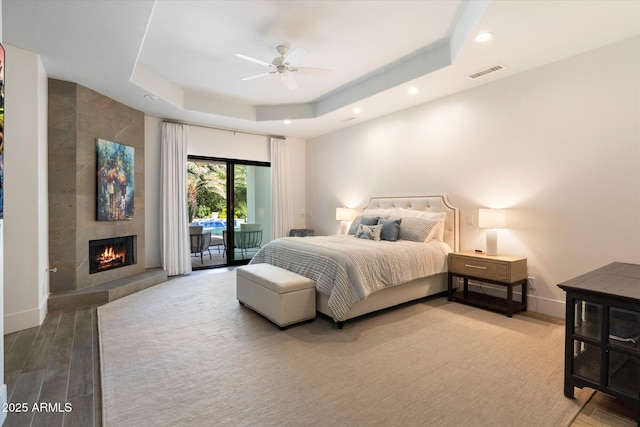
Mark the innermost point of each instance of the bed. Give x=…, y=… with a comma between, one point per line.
x=386, y=273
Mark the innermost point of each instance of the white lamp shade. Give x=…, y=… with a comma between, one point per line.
x=346, y=214
x=492, y=218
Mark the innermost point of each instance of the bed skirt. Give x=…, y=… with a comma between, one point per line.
x=391, y=296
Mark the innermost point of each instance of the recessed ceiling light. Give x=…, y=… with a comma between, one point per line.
x=151, y=97
x=357, y=110
x=287, y=122
x=413, y=90
x=483, y=37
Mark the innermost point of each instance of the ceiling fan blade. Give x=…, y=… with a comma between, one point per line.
x=288, y=80
x=258, y=76
x=312, y=71
x=254, y=60
x=295, y=56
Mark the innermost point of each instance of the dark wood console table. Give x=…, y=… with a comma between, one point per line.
x=602, y=338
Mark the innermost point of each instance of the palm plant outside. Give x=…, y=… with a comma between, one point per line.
x=207, y=190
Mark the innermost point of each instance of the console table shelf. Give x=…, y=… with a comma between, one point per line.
x=487, y=301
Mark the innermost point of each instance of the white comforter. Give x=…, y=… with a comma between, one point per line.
x=348, y=269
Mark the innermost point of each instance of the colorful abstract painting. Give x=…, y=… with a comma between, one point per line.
x=115, y=189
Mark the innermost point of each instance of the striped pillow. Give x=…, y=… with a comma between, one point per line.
x=418, y=229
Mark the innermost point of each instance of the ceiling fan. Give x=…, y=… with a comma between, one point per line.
x=285, y=65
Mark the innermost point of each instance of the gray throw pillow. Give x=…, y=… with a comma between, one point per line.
x=390, y=228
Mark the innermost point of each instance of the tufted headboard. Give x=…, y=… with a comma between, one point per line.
x=426, y=204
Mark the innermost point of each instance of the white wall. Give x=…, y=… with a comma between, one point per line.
x=205, y=141
x=558, y=145
x=26, y=281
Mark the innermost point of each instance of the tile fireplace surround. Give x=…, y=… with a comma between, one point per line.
x=77, y=116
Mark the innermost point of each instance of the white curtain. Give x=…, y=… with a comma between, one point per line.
x=176, y=255
x=281, y=205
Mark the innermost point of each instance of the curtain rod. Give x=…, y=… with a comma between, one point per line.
x=224, y=129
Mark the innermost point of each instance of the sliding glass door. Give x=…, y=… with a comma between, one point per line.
x=231, y=201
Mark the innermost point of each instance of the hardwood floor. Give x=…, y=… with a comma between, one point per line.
x=57, y=367
x=58, y=364
x=603, y=410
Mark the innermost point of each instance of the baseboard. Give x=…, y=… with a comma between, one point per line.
x=3, y=403
x=549, y=307
x=535, y=303
x=14, y=322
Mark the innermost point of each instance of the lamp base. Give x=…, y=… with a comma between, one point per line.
x=492, y=242
x=344, y=227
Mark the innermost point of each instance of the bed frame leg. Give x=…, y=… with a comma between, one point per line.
x=340, y=324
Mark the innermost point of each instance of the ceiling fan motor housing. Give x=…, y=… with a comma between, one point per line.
x=277, y=62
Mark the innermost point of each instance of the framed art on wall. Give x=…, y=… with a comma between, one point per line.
x=115, y=181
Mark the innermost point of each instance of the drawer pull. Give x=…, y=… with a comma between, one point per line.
x=479, y=267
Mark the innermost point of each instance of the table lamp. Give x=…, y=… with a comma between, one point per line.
x=344, y=215
x=492, y=220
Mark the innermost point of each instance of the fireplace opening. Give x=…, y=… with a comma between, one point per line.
x=115, y=252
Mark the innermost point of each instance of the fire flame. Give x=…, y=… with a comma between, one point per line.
x=110, y=255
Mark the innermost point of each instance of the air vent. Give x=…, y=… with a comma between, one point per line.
x=348, y=119
x=487, y=71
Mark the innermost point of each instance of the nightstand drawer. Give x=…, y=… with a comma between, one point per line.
x=479, y=268
x=494, y=268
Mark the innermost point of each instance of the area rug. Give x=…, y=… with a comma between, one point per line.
x=185, y=353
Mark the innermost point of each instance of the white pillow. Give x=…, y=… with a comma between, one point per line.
x=370, y=232
x=382, y=213
x=421, y=214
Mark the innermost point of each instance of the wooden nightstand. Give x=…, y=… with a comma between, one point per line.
x=500, y=270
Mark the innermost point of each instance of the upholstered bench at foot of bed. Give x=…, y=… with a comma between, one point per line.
x=279, y=295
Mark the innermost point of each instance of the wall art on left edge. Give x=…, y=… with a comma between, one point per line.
x=115, y=186
x=1, y=132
